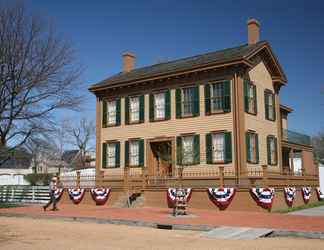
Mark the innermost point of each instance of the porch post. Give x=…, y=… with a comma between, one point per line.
x=221, y=176
x=291, y=160
x=265, y=175
x=78, y=179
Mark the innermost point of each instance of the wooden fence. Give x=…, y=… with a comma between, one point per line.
x=24, y=194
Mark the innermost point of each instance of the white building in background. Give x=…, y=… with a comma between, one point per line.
x=321, y=176
x=14, y=176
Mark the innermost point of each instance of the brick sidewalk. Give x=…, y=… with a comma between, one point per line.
x=198, y=217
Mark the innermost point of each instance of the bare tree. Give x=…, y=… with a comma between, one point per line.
x=318, y=144
x=82, y=135
x=38, y=75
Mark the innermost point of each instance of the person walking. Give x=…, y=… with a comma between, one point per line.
x=52, y=188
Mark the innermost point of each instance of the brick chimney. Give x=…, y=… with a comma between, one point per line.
x=253, y=31
x=128, y=61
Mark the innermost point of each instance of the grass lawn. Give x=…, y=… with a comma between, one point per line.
x=8, y=205
x=292, y=209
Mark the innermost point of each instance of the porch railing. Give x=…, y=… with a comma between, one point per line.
x=294, y=137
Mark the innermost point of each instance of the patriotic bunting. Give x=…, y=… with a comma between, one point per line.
x=58, y=194
x=320, y=194
x=290, y=194
x=76, y=194
x=171, y=196
x=221, y=197
x=307, y=193
x=263, y=196
x=100, y=195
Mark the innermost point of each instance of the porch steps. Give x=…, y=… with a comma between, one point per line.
x=237, y=233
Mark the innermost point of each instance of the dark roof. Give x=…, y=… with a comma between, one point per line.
x=225, y=55
x=19, y=159
x=286, y=108
x=69, y=155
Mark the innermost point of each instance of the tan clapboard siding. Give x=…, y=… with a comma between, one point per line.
x=262, y=79
x=284, y=122
x=171, y=128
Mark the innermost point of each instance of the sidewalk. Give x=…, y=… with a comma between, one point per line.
x=197, y=218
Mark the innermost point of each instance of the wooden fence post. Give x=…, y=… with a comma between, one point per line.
x=78, y=179
x=221, y=176
x=265, y=175
x=102, y=178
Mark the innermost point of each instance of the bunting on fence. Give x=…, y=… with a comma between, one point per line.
x=263, y=196
x=221, y=197
x=100, y=195
x=307, y=193
x=76, y=194
x=171, y=196
x=320, y=195
x=290, y=194
x=58, y=194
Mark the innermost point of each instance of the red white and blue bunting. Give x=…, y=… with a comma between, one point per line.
x=76, y=194
x=171, y=196
x=320, y=195
x=221, y=197
x=58, y=194
x=100, y=195
x=307, y=193
x=290, y=194
x=263, y=196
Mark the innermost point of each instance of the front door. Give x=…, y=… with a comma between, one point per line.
x=161, y=164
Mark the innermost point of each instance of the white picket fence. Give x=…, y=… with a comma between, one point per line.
x=24, y=194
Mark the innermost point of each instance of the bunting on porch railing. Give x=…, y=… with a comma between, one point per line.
x=100, y=195
x=290, y=194
x=58, y=194
x=76, y=194
x=263, y=196
x=171, y=194
x=320, y=195
x=221, y=197
x=307, y=193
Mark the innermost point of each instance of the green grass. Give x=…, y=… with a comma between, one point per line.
x=9, y=205
x=292, y=209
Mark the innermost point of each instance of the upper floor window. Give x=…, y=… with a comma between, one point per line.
x=111, y=113
x=160, y=106
x=187, y=101
x=188, y=152
x=134, y=152
x=111, y=155
x=134, y=109
x=217, y=97
x=269, y=102
x=272, y=150
x=250, y=97
x=219, y=147
x=252, y=147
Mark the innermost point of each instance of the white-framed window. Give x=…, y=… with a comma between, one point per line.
x=269, y=105
x=252, y=149
x=188, y=149
x=218, y=147
x=134, y=109
x=159, y=106
x=217, y=97
x=111, y=112
x=187, y=101
x=134, y=153
x=111, y=155
x=251, y=98
x=272, y=150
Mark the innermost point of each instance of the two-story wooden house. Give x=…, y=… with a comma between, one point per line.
x=220, y=109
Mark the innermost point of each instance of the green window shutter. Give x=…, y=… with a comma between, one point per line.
x=118, y=111
x=269, y=150
x=167, y=105
x=178, y=103
x=126, y=153
x=207, y=99
x=196, y=149
x=276, y=147
x=255, y=99
x=142, y=108
x=152, y=107
x=266, y=104
x=227, y=96
x=179, y=150
x=117, y=145
x=274, y=106
x=141, y=152
x=247, y=144
x=104, y=155
x=196, y=98
x=257, y=147
x=126, y=110
x=246, y=95
x=209, y=157
x=104, y=113
x=228, y=147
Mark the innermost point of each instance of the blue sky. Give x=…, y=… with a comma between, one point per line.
x=164, y=30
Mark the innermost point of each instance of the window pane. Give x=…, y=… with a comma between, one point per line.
x=134, y=109
x=217, y=96
x=251, y=98
x=273, y=153
x=159, y=106
x=111, y=155
x=134, y=153
x=111, y=112
x=252, y=149
x=187, y=146
x=218, y=147
x=187, y=101
x=270, y=106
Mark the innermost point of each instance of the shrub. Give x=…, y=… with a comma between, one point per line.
x=38, y=179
